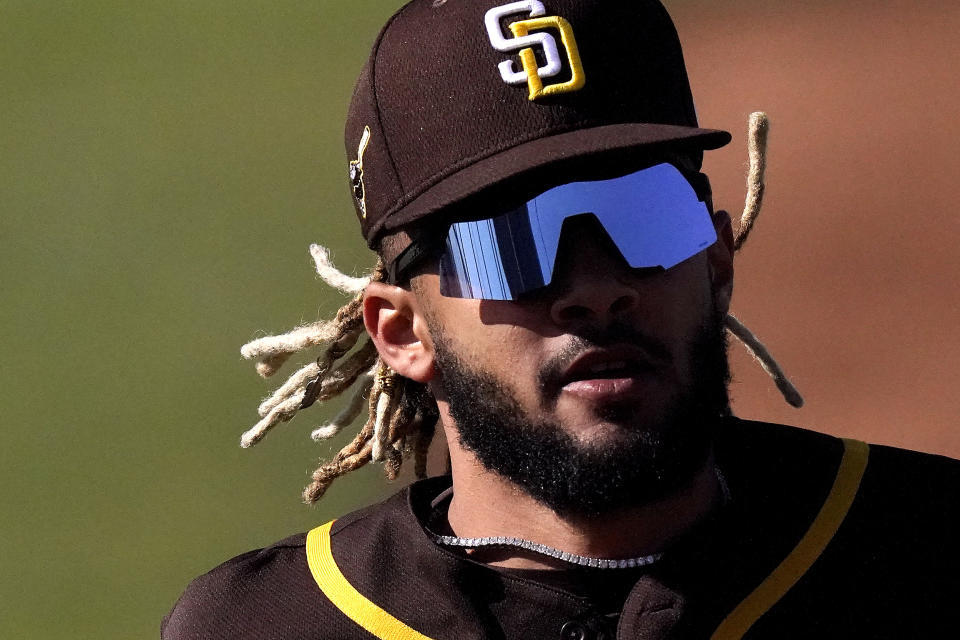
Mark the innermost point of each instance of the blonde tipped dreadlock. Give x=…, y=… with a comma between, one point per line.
x=757, y=148
x=759, y=127
x=402, y=414
x=332, y=275
x=758, y=351
x=349, y=413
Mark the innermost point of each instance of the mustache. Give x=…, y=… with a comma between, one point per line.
x=617, y=334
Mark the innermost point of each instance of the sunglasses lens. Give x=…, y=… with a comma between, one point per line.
x=653, y=216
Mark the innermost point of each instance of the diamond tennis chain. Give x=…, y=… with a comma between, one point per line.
x=564, y=556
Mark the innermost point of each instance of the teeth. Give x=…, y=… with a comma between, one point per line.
x=607, y=366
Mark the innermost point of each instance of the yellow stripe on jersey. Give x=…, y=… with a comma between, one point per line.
x=811, y=546
x=853, y=464
x=345, y=597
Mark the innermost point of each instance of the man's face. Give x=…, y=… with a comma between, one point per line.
x=596, y=393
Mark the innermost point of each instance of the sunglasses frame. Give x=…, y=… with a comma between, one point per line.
x=431, y=243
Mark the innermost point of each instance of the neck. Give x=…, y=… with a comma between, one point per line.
x=485, y=504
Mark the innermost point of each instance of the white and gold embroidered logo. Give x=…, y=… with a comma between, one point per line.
x=356, y=174
x=525, y=42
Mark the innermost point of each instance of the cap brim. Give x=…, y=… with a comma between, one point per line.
x=546, y=152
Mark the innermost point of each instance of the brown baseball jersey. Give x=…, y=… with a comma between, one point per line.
x=822, y=538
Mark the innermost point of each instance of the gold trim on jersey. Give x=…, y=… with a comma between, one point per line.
x=846, y=484
x=345, y=597
x=853, y=464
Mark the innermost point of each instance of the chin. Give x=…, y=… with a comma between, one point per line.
x=598, y=448
x=616, y=420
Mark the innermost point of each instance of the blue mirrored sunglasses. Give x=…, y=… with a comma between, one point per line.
x=654, y=217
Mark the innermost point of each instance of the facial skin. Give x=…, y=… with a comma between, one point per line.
x=586, y=445
x=634, y=463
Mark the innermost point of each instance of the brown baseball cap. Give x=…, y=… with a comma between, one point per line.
x=460, y=97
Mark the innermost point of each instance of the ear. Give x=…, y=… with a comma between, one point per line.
x=720, y=256
x=393, y=319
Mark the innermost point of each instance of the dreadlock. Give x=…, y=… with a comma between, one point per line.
x=401, y=413
x=758, y=129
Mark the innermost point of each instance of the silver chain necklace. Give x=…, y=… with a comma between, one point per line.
x=551, y=552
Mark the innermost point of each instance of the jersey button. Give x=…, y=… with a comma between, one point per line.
x=574, y=631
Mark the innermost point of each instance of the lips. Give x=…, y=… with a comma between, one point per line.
x=610, y=374
x=609, y=363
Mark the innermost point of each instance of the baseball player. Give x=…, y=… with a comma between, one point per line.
x=553, y=291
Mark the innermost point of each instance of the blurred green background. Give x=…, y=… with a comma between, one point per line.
x=164, y=166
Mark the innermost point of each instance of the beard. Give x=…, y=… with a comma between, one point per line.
x=641, y=464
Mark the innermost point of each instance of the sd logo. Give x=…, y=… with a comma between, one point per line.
x=524, y=42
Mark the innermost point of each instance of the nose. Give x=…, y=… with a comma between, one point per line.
x=591, y=278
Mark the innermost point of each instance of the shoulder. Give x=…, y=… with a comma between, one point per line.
x=912, y=498
x=903, y=504
x=271, y=593
x=928, y=472
x=878, y=524
x=762, y=440
x=231, y=599
x=891, y=470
